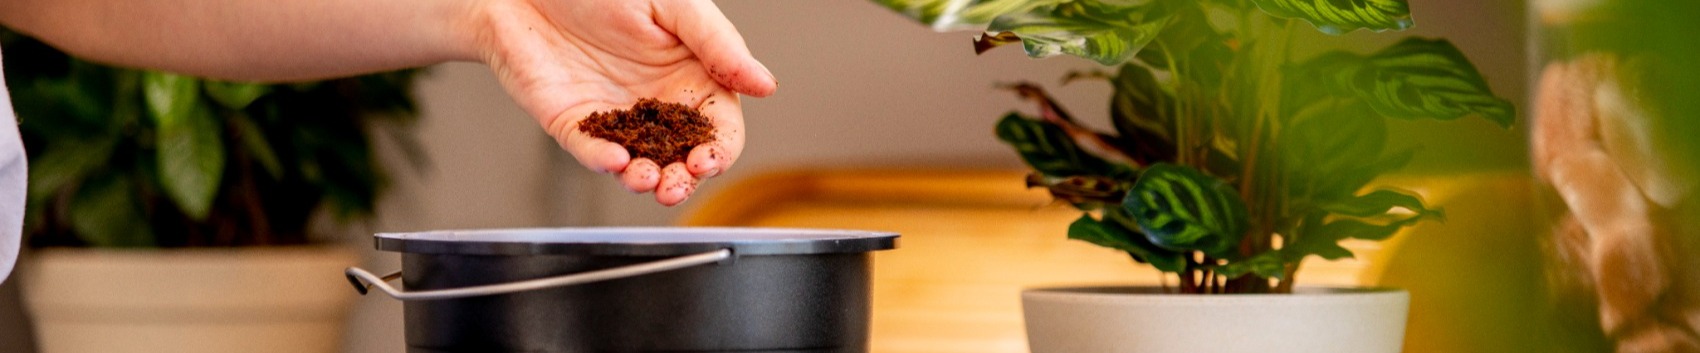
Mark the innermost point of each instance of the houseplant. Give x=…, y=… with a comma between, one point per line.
x=172, y=213
x=1234, y=154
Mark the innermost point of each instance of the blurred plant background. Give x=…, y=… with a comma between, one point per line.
x=130, y=158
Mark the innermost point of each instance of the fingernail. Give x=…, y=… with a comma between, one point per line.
x=769, y=74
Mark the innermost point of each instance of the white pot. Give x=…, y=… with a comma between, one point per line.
x=251, y=300
x=1144, y=320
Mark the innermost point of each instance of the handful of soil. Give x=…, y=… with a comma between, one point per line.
x=661, y=131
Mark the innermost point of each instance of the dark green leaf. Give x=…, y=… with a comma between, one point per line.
x=1139, y=109
x=1327, y=139
x=1115, y=237
x=1380, y=202
x=1323, y=240
x=255, y=142
x=235, y=95
x=66, y=162
x=171, y=98
x=1109, y=33
x=1049, y=149
x=105, y=213
x=191, y=158
x=1416, y=79
x=1342, y=16
x=1267, y=265
x=1180, y=208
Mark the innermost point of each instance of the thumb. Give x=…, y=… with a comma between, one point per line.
x=707, y=32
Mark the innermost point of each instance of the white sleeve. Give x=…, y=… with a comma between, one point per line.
x=13, y=174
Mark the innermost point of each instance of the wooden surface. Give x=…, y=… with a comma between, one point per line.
x=971, y=240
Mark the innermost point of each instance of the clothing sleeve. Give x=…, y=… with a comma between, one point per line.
x=13, y=174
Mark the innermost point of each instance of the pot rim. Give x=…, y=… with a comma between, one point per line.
x=635, y=241
x=1155, y=294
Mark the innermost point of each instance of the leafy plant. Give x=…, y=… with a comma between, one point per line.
x=1233, y=157
x=131, y=158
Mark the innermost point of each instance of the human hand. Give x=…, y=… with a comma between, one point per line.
x=562, y=60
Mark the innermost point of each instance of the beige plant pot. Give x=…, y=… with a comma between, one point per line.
x=251, y=300
x=1143, y=320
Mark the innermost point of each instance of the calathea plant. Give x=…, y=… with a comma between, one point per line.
x=1233, y=156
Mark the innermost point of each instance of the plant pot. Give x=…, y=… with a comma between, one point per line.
x=252, y=300
x=1146, y=320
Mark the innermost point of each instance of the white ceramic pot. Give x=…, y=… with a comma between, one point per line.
x=1144, y=320
x=252, y=300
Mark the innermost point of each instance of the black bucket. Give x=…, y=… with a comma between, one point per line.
x=633, y=289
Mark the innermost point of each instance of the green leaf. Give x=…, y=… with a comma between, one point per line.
x=1341, y=16
x=1323, y=240
x=235, y=95
x=1270, y=264
x=1109, y=33
x=960, y=14
x=171, y=98
x=191, y=159
x=67, y=161
x=1327, y=140
x=1116, y=237
x=1380, y=202
x=1415, y=79
x=1180, y=208
x=1048, y=148
x=1139, y=110
x=106, y=213
x=255, y=142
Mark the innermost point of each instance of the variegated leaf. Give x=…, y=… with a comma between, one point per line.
x=1342, y=16
x=1415, y=79
x=1180, y=208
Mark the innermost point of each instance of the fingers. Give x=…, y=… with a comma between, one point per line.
x=725, y=111
x=596, y=154
x=677, y=184
x=641, y=176
x=706, y=31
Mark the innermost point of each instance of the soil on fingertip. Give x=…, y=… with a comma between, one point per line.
x=664, y=132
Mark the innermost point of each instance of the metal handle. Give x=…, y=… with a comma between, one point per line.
x=363, y=280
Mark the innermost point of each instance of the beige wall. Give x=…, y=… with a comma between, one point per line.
x=860, y=87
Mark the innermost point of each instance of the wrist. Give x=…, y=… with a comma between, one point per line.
x=458, y=28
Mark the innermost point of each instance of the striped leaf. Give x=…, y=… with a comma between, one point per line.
x=1108, y=33
x=1112, y=235
x=1180, y=208
x=945, y=15
x=1049, y=149
x=1382, y=201
x=1342, y=16
x=1415, y=79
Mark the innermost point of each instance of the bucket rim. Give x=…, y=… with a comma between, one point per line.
x=635, y=241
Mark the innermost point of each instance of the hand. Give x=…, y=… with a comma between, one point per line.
x=565, y=59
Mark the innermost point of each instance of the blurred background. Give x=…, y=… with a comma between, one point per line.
x=865, y=89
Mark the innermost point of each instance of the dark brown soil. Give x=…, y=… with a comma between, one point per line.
x=661, y=131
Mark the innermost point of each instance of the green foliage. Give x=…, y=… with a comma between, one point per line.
x=1341, y=16
x=1414, y=79
x=1048, y=148
x=128, y=158
x=1230, y=161
x=1182, y=209
x=1116, y=236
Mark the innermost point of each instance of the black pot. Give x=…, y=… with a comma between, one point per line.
x=633, y=289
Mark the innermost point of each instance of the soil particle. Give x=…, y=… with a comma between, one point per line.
x=661, y=131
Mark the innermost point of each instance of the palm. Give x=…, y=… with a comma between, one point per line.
x=565, y=60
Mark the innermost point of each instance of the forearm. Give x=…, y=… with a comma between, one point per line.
x=264, y=40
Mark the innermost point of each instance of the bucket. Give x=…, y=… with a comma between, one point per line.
x=632, y=289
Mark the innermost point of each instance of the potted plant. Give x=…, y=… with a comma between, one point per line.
x=171, y=213
x=1234, y=155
